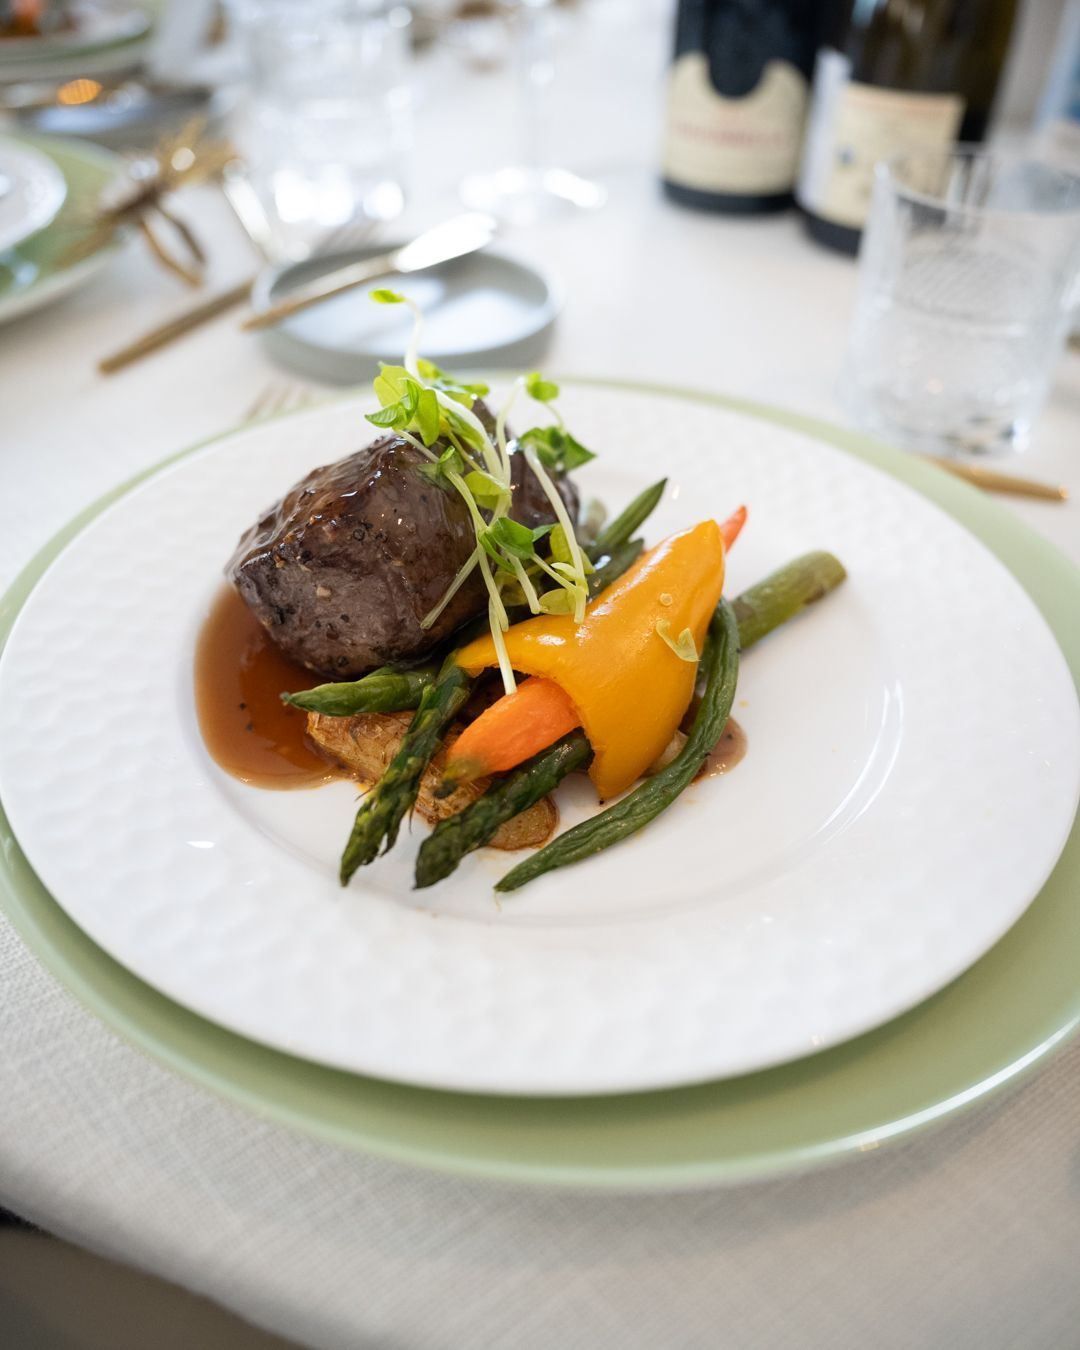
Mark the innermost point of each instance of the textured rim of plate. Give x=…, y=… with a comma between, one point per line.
x=991, y=1024
x=70, y=156
x=54, y=180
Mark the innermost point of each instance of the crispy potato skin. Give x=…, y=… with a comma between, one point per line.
x=363, y=746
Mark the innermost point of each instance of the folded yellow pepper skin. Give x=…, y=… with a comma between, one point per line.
x=628, y=686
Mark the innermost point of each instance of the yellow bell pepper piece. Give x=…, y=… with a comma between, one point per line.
x=626, y=683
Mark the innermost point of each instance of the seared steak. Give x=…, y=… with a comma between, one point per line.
x=341, y=571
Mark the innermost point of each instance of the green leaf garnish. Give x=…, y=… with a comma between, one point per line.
x=683, y=646
x=485, y=490
x=428, y=416
x=385, y=297
x=392, y=416
x=557, y=602
x=517, y=539
x=540, y=389
x=556, y=449
x=491, y=548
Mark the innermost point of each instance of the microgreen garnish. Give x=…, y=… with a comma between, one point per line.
x=684, y=646
x=433, y=411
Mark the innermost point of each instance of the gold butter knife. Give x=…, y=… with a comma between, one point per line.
x=452, y=238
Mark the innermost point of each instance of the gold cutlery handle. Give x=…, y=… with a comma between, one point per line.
x=183, y=323
x=344, y=279
x=993, y=481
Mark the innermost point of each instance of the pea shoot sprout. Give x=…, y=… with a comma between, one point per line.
x=434, y=413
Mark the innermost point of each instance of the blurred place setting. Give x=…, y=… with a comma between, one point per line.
x=434, y=408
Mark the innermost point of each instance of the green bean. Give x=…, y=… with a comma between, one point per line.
x=784, y=593
x=459, y=834
x=720, y=665
x=629, y=521
x=383, y=691
x=384, y=807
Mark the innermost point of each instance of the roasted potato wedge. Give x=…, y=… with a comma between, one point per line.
x=364, y=744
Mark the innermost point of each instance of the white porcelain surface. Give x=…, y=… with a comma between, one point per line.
x=34, y=192
x=914, y=752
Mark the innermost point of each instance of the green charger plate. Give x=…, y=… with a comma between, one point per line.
x=33, y=274
x=995, y=1021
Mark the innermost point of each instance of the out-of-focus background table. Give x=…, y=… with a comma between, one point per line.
x=965, y=1236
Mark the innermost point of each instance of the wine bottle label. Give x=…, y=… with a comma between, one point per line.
x=852, y=126
x=734, y=145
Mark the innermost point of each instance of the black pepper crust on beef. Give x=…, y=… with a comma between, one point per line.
x=341, y=571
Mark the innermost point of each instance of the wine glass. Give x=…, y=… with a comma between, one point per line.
x=531, y=189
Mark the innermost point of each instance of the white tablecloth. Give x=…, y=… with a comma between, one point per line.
x=965, y=1236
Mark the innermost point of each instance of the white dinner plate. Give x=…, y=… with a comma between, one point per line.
x=33, y=192
x=911, y=776
x=96, y=25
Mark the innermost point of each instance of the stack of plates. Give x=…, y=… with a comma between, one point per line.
x=869, y=922
x=54, y=188
x=105, y=40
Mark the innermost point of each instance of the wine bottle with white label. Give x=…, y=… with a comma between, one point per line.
x=894, y=78
x=737, y=97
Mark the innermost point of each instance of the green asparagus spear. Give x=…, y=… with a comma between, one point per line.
x=720, y=664
x=773, y=601
x=784, y=593
x=383, y=691
x=384, y=807
x=621, y=558
x=459, y=834
x=628, y=522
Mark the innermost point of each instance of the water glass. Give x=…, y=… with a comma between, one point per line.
x=968, y=276
x=330, y=118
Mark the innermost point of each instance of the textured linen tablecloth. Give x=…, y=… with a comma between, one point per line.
x=964, y=1236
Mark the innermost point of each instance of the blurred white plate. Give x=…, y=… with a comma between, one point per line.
x=32, y=191
x=108, y=40
x=912, y=773
x=96, y=26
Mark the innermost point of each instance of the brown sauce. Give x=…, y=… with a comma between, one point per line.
x=252, y=735
x=726, y=753
x=239, y=675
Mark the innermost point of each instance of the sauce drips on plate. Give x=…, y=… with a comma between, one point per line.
x=726, y=753
x=239, y=677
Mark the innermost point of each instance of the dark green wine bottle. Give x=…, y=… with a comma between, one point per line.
x=893, y=77
x=737, y=97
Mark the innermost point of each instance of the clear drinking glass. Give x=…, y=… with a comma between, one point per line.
x=968, y=277
x=533, y=188
x=329, y=126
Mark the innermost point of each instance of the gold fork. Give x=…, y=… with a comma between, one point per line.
x=278, y=397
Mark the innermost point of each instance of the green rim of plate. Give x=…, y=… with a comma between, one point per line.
x=998, y=1019
x=31, y=271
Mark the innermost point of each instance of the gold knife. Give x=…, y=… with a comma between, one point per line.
x=452, y=238
x=174, y=328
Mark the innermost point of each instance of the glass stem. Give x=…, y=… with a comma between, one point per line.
x=536, y=70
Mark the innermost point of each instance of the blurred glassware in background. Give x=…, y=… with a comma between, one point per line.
x=329, y=127
x=533, y=188
x=1057, y=135
x=968, y=275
